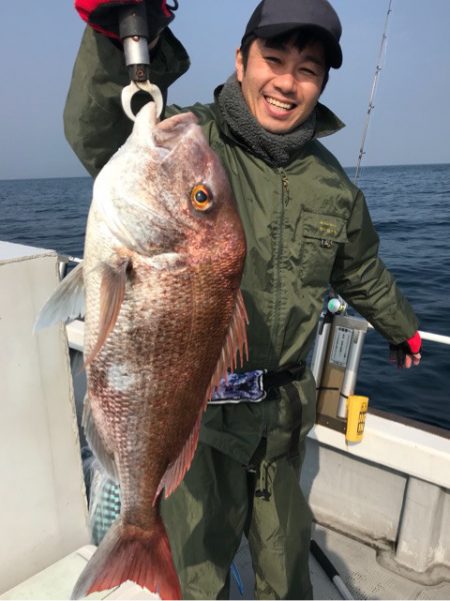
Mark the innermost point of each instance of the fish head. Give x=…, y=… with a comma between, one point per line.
x=166, y=192
x=199, y=196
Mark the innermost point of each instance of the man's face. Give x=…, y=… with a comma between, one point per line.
x=281, y=86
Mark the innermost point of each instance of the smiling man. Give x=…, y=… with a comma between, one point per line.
x=281, y=82
x=307, y=227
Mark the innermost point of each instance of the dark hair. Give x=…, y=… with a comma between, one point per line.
x=299, y=38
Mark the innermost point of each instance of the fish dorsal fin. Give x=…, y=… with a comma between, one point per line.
x=236, y=341
x=112, y=292
x=174, y=474
x=66, y=303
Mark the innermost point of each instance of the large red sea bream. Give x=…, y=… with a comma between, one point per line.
x=164, y=320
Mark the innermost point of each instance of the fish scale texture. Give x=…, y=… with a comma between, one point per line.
x=133, y=387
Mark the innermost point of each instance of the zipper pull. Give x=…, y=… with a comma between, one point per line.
x=285, y=183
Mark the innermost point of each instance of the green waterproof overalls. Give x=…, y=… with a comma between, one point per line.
x=306, y=227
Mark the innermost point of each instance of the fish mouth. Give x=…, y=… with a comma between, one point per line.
x=280, y=104
x=169, y=132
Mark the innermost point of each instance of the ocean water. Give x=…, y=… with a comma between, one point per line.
x=410, y=206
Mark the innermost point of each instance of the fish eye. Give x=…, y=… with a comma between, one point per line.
x=201, y=197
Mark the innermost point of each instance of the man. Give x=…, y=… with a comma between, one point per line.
x=307, y=226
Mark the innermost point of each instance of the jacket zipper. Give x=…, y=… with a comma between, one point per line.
x=279, y=256
x=285, y=182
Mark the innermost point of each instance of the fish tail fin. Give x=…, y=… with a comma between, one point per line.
x=130, y=553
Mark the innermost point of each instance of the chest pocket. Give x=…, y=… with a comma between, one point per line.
x=322, y=235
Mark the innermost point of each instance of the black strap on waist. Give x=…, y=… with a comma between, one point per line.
x=297, y=409
x=284, y=375
x=253, y=386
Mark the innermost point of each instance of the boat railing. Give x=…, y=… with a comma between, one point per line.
x=431, y=336
x=405, y=445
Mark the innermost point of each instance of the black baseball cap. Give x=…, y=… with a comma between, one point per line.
x=274, y=17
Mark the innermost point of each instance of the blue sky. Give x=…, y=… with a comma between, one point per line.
x=410, y=123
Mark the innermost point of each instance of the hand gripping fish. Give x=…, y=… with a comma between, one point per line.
x=164, y=322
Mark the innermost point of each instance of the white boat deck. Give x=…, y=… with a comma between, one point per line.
x=358, y=566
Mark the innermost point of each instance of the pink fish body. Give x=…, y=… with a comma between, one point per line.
x=164, y=320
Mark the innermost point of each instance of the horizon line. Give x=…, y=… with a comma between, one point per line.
x=87, y=176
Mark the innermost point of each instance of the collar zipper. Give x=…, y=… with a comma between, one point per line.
x=285, y=182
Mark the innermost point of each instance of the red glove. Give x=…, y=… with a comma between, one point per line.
x=407, y=353
x=103, y=15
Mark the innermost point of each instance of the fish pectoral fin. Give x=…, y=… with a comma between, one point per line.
x=235, y=341
x=96, y=443
x=66, y=303
x=112, y=292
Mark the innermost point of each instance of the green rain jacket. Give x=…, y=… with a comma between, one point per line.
x=307, y=226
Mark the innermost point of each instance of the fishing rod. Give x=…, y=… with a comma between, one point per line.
x=378, y=68
x=330, y=570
